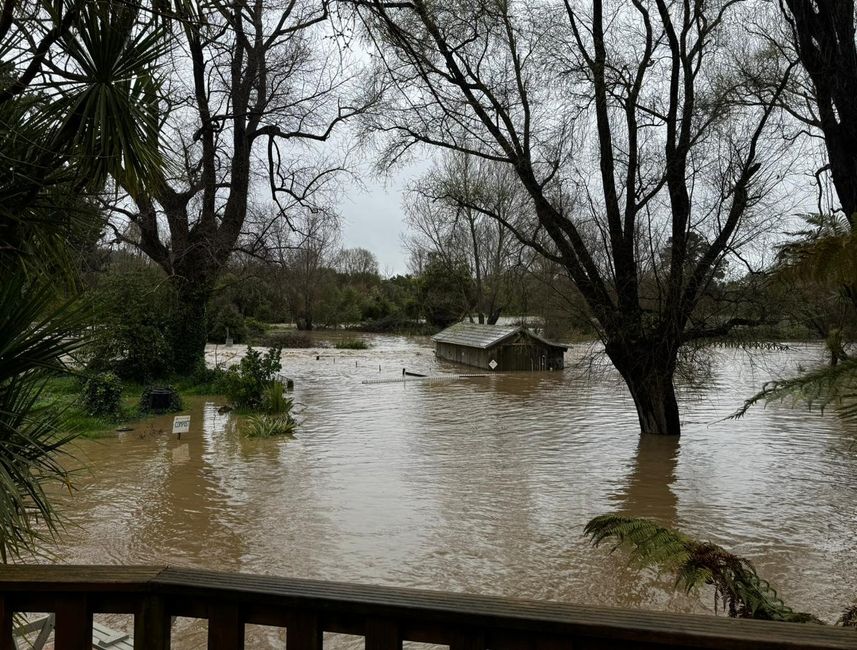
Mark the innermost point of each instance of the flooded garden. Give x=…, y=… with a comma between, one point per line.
x=480, y=485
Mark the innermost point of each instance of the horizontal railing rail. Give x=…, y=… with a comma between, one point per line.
x=384, y=616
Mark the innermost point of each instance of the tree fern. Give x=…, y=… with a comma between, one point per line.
x=819, y=388
x=737, y=586
x=825, y=252
x=849, y=617
x=825, y=257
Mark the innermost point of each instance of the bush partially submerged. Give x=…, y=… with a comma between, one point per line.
x=277, y=419
x=270, y=426
x=247, y=382
x=102, y=394
x=275, y=401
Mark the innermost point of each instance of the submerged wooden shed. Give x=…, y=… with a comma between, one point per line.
x=495, y=347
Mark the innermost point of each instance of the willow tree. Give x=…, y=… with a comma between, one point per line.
x=252, y=85
x=628, y=124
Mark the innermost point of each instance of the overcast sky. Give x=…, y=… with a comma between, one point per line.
x=372, y=216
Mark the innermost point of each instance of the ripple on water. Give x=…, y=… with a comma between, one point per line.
x=480, y=486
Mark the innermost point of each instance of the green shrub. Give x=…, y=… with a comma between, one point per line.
x=226, y=319
x=205, y=381
x=132, y=316
x=285, y=340
x=160, y=399
x=247, y=382
x=102, y=394
x=351, y=344
x=269, y=426
x=254, y=327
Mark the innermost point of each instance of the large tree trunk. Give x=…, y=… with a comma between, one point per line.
x=190, y=326
x=648, y=372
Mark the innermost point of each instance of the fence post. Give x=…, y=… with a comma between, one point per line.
x=73, y=622
x=151, y=625
x=6, y=640
x=304, y=632
x=382, y=634
x=225, y=627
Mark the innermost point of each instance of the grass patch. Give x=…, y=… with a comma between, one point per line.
x=394, y=325
x=63, y=393
x=351, y=344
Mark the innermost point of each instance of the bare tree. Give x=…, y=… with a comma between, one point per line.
x=302, y=254
x=253, y=84
x=443, y=223
x=626, y=123
x=357, y=262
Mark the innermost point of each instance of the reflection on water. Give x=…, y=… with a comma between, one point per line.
x=480, y=486
x=648, y=488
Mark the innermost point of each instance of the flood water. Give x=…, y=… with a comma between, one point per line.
x=482, y=485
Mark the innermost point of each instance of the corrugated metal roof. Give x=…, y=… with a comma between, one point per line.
x=474, y=335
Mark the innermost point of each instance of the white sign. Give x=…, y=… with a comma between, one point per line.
x=181, y=424
x=493, y=364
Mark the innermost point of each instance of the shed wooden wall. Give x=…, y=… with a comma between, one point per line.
x=527, y=354
x=464, y=355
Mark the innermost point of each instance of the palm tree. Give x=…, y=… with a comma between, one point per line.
x=78, y=104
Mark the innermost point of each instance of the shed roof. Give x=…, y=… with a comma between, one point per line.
x=473, y=335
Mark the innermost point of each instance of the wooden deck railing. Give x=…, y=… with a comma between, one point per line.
x=384, y=616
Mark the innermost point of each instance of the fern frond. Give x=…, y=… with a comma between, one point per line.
x=736, y=584
x=830, y=384
x=849, y=617
x=648, y=543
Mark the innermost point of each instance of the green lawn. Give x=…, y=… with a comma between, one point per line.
x=64, y=393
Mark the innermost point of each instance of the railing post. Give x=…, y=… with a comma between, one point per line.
x=225, y=628
x=467, y=640
x=6, y=640
x=151, y=625
x=304, y=632
x=73, y=629
x=382, y=634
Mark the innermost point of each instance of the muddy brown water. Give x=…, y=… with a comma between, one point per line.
x=479, y=486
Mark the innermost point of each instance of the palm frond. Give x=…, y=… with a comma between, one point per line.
x=110, y=104
x=35, y=337
x=31, y=449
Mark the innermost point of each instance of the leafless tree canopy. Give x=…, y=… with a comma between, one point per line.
x=631, y=126
x=252, y=86
x=444, y=224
